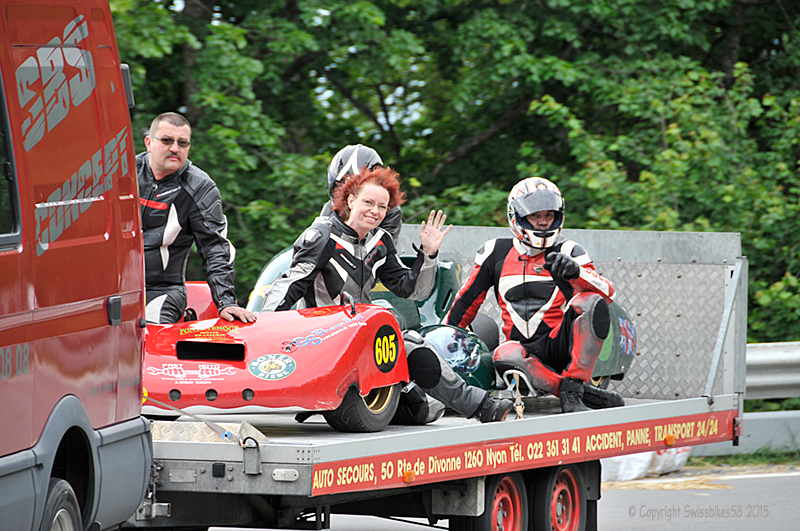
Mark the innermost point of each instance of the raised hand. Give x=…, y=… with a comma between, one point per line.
x=431, y=233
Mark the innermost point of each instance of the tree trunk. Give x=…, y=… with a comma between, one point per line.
x=198, y=15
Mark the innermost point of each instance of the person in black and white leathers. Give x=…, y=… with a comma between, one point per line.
x=348, y=161
x=181, y=205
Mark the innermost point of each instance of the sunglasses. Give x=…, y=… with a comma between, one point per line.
x=167, y=141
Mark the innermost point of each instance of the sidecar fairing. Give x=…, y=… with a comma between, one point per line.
x=297, y=360
x=619, y=348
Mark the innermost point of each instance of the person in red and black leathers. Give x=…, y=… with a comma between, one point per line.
x=554, y=305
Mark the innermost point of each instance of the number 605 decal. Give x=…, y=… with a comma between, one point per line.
x=386, y=348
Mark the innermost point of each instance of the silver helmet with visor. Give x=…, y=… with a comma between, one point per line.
x=530, y=195
x=349, y=161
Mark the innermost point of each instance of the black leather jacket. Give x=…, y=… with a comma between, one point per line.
x=179, y=209
x=329, y=259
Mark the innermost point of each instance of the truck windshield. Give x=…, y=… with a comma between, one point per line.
x=8, y=191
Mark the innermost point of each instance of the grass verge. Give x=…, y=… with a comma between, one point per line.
x=760, y=457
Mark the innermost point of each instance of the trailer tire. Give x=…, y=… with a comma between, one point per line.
x=357, y=414
x=506, y=507
x=559, y=501
x=61, y=510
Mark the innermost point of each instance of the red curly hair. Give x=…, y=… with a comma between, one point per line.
x=380, y=175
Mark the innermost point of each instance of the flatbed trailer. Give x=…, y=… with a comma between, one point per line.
x=687, y=294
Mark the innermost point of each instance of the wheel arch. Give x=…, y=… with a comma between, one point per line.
x=67, y=449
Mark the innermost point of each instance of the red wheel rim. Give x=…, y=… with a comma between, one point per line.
x=507, y=506
x=566, y=509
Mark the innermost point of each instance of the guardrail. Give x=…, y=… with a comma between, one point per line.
x=773, y=370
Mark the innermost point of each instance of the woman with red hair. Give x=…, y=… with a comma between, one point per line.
x=349, y=251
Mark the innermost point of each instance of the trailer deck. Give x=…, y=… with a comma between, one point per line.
x=311, y=459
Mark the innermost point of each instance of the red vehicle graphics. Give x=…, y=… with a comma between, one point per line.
x=275, y=363
x=431, y=465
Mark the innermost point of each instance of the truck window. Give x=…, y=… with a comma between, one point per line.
x=10, y=233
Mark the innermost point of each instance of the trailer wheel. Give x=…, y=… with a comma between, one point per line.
x=559, y=503
x=506, y=507
x=365, y=414
x=61, y=510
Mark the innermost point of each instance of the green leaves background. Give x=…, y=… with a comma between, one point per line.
x=650, y=115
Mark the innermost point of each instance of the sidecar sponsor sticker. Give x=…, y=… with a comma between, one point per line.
x=202, y=373
x=386, y=348
x=627, y=336
x=272, y=366
x=323, y=334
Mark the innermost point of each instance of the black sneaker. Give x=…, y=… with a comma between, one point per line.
x=571, y=396
x=494, y=409
x=597, y=398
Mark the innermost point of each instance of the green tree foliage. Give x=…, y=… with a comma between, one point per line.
x=651, y=115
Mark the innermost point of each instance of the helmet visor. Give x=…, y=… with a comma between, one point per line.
x=458, y=348
x=537, y=201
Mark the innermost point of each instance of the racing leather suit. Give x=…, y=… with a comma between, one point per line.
x=560, y=324
x=180, y=209
x=329, y=259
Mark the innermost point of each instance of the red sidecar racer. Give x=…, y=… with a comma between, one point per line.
x=347, y=362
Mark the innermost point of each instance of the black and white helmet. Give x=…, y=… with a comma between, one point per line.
x=349, y=161
x=530, y=195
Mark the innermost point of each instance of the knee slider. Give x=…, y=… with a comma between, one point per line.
x=601, y=319
x=423, y=366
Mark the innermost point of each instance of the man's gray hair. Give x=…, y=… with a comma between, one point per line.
x=170, y=117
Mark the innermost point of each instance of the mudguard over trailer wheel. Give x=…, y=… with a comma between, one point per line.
x=373, y=412
x=559, y=503
x=505, y=508
x=61, y=510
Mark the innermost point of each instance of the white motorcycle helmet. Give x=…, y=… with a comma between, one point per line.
x=530, y=195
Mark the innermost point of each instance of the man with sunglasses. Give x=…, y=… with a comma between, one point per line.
x=181, y=205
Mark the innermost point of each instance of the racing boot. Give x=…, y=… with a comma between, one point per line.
x=432, y=373
x=597, y=398
x=589, y=330
x=511, y=355
x=493, y=409
x=416, y=408
x=571, y=396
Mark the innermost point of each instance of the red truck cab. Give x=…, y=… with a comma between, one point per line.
x=71, y=273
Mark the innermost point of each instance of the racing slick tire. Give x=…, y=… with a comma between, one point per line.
x=560, y=499
x=61, y=510
x=363, y=414
x=505, y=507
